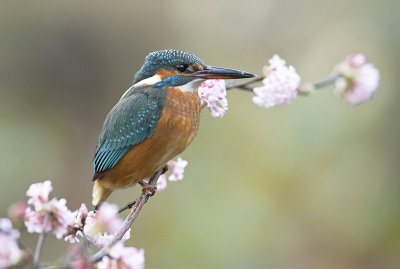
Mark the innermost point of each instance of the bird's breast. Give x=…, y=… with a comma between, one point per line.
x=176, y=128
x=180, y=117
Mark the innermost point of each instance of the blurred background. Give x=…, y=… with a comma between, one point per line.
x=310, y=185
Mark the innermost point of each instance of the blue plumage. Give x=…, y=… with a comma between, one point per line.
x=166, y=59
x=131, y=120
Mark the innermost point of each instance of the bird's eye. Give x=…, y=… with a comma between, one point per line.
x=181, y=68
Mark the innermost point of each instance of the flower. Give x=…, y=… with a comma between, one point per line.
x=177, y=169
x=213, y=94
x=101, y=226
x=358, y=79
x=123, y=257
x=80, y=219
x=279, y=86
x=78, y=258
x=60, y=218
x=10, y=253
x=162, y=183
x=16, y=212
x=39, y=193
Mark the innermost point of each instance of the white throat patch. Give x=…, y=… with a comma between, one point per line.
x=192, y=86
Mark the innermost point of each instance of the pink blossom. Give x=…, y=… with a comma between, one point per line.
x=162, y=183
x=177, y=169
x=16, y=212
x=59, y=221
x=78, y=257
x=101, y=226
x=39, y=193
x=10, y=253
x=123, y=257
x=81, y=215
x=279, y=86
x=213, y=94
x=358, y=79
x=60, y=217
x=80, y=219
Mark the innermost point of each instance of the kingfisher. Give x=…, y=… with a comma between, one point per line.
x=154, y=120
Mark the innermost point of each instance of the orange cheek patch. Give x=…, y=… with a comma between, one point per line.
x=164, y=73
x=197, y=67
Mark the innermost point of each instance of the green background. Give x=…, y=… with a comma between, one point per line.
x=310, y=185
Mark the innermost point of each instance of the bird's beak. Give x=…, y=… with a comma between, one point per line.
x=212, y=72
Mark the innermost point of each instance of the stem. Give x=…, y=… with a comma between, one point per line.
x=40, y=242
x=129, y=219
x=327, y=81
x=304, y=89
x=245, y=84
x=128, y=206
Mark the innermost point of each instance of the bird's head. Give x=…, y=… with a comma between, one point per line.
x=180, y=69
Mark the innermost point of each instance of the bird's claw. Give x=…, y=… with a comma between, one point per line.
x=147, y=186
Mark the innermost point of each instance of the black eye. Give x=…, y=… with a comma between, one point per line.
x=181, y=68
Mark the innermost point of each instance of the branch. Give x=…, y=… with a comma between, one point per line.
x=304, y=89
x=40, y=242
x=127, y=206
x=327, y=81
x=244, y=85
x=146, y=193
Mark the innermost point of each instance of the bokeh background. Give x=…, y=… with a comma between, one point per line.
x=310, y=185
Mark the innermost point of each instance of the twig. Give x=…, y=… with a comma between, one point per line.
x=146, y=193
x=304, y=89
x=40, y=242
x=127, y=206
x=327, y=81
x=244, y=85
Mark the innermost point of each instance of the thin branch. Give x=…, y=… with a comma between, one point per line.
x=244, y=84
x=127, y=206
x=146, y=193
x=304, y=89
x=327, y=81
x=40, y=242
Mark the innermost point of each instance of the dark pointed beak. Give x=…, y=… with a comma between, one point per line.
x=212, y=72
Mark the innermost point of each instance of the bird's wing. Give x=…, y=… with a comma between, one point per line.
x=130, y=121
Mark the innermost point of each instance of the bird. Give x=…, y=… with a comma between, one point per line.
x=155, y=120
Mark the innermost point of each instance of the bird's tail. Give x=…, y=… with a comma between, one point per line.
x=99, y=193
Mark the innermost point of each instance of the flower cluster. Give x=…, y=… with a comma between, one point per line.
x=101, y=226
x=16, y=213
x=279, y=85
x=123, y=257
x=358, y=79
x=79, y=223
x=59, y=217
x=10, y=252
x=213, y=94
x=177, y=168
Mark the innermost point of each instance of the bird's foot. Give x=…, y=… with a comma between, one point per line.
x=147, y=186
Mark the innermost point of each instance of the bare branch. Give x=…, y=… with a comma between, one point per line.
x=127, y=206
x=137, y=207
x=244, y=85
